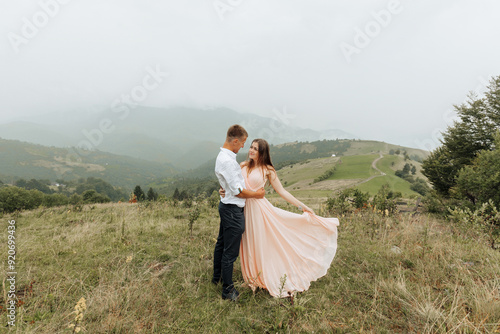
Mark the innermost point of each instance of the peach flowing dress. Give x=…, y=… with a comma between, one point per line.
x=278, y=245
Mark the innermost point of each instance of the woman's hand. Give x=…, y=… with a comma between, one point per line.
x=222, y=192
x=307, y=209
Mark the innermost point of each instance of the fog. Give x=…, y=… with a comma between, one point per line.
x=383, y=70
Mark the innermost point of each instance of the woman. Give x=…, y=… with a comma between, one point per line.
x=281, y=251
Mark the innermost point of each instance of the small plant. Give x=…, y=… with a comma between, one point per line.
x=78, y=207
x=194, y=214
x=133, y=198
x=214, y=199
x=385, y=200
x=123, y=230
x=187, y=202
x=347, y=200
x=282, y=284
x=80, y=307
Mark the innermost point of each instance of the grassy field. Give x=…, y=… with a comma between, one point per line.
x=361, y=147
x=364, y=147
x=298, y=178
x=306, y=171
x=140, y=270
x=396, y=183
x=355, y=167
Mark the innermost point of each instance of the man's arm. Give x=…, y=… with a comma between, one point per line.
x=245, y=193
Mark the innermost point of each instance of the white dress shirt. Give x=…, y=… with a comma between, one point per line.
x=228, y=172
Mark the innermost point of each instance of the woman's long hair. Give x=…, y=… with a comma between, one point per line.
x=264, y=160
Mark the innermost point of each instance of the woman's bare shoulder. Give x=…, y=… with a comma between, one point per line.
x=270, y=171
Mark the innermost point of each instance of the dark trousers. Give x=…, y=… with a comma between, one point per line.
x=227, y=248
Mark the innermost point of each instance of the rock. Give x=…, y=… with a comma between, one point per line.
x=396, y=250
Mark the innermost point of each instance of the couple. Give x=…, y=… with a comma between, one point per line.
x=281, y=251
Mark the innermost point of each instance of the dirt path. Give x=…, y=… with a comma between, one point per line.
x=374, y=166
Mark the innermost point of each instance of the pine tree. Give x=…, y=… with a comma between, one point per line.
x=152, y=195
x=176, y=195
x=139, y=193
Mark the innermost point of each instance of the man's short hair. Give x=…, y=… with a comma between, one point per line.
x=236, y=132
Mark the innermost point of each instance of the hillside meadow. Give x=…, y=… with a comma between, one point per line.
x=350, y=171
x=141, y=269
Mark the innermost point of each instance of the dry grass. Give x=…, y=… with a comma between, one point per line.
x=140, y=271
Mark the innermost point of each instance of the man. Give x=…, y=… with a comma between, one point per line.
x=232, y=219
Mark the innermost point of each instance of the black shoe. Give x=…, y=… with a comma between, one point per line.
x=215, y=281
x=232, y=295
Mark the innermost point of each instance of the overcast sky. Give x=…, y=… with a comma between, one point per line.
x=385, y=70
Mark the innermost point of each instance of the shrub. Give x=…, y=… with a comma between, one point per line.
x=214, y=199
x=433, y=203
x=55, y=200
x=420, y=186
x=17, y=199
x=92, y=196
x=326, y=175
x=385, y=200
x=486, y=218
x=75, y=199
x=347, y=200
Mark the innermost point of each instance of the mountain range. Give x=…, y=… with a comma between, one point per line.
x=31, y=161
x=184, y=138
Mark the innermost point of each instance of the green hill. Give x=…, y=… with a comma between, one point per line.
x=299, y=163
x=24, y=160
x=350, y=171
x=371, y=146
x=388, y=165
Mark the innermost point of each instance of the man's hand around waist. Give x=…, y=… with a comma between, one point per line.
x=245, y=193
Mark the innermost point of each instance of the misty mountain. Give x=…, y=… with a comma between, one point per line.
x=25, y=160
x=183, y=137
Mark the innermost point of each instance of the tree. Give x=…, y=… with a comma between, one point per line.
x=184, y=195
x=152, y=195
x=176, y=195
x=405, y=173
x=479, y=119
x=17, y=199
x=41, y=185
x=420, y=186
x=406, y=169
x=139, y=193
x=480, y=181
x=439, y=170
x=92, y=196
x=101, y=187
x=21, y=183
x=413, y=170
